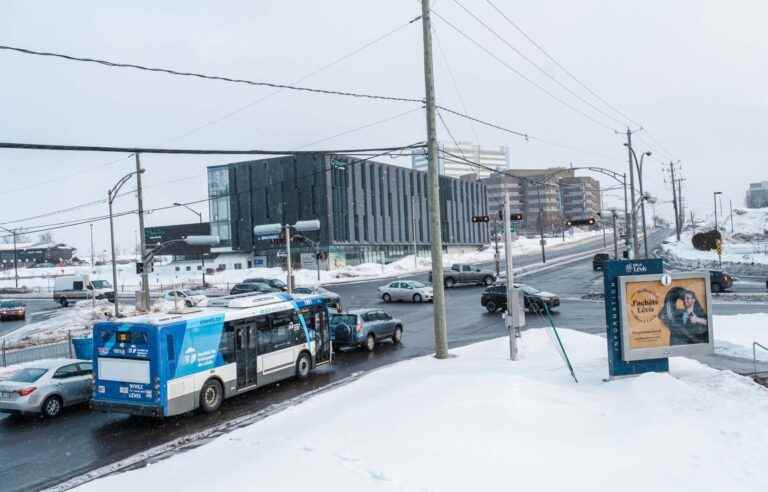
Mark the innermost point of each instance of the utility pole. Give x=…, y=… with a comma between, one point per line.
x=512, y=307
x=435, y=226
x=496, y=256
x=627, y=235
x=93, y=291
x=541, y=226
x=674, y=199
x=680, y=201
x=142, y=244
x=615, y=237
x=93, y=260
x=288, y=266
x=714, y=200
x=633, y=230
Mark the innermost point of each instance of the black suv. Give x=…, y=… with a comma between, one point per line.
x=495, y=298
x=272, y=282
x=719, y=281
x=599, y=261
x=252, y=288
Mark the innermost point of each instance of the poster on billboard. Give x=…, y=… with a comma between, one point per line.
x=666, y=315
x=337, y=259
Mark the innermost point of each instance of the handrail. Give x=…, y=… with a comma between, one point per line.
x=754, y=355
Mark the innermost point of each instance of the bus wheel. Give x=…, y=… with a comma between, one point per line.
x=303, y=365
x=211, y=396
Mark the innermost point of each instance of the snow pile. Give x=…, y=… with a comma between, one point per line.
x=166, y=277
x=76, y=321
x=480, y=422
x=734, y=335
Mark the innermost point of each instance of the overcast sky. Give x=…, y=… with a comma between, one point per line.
x=692, y=73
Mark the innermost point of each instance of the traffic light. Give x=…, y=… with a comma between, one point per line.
x=513, y=217
x=479, y=219
x=139, y=268
x=581, y=222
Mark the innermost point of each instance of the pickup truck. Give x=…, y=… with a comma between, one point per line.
x=466, y=274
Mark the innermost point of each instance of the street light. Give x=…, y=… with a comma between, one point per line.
x=714, y=198
x=200, y=216
x=271, y=230
x=639, y=166
x=111, y=195
x=15, y=255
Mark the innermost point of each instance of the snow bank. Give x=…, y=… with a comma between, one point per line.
x=734, y=335
x=480, y=422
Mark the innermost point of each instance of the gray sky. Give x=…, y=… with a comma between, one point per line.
x=693, y=73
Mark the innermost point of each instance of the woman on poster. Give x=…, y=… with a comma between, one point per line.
x=685, y=317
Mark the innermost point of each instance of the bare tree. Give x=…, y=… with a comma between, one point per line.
x=45, y=237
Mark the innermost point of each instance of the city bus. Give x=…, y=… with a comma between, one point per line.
x=172, y=363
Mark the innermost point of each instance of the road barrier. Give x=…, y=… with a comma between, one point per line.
x=50, y=351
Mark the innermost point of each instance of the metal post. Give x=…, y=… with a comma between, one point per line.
x=615, y=237
x=93, y=291
x=413, y=233
x=289, y=269
x=435, y=225
x=15, y=260
x=605, y=243
x=730, y=205
x=642, y=207
x=496, y=255
x=509, y=318
x=633, y=229
x=142, y=243
x=714, y=199
x=674, y=200
x=627, y=235
x=114, y=259
x=541, y=226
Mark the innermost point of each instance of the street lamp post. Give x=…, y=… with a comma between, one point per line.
x=111, y=195
x=714, y=199
x=642, y=193
x=15, y=256
x=199, y=216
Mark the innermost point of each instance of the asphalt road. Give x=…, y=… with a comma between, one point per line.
x=37, y=310
x=35, y=453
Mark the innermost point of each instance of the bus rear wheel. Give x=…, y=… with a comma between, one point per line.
x=211, y=396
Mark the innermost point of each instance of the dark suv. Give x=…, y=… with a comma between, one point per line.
x=495, y=298
x=719, y=281
x=599, y=261
x=252, y=288
x=272, y=282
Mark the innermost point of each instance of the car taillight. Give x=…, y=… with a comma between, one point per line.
x=359, y=327
x=26, y=391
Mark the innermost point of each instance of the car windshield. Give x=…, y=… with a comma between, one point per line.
x=10, y=304
x=343, y=319
x=101, y=284
x=27, y=375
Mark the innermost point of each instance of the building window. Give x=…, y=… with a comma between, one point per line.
x=238, y=266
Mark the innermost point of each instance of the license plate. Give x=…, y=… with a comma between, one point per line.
x=5, y=395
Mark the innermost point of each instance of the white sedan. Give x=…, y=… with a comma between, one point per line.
x=186, y=296
x=406, y=290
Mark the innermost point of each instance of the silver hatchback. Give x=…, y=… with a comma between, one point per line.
x=406, y=290
x=46, y=387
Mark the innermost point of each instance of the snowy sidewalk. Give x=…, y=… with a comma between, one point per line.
x=480, y=422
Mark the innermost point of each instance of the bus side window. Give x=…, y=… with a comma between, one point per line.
x=227, y=343
x=281, y=330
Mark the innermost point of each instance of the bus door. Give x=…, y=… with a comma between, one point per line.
x=316, y=317
x=246, y=356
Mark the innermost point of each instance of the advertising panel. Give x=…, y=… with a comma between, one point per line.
x=308, y=261
x=665, y=315
x=337, y=259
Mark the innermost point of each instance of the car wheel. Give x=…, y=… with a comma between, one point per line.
x=491, y=307
x=417, y=298
x=487, y=280
x=716, y=287
x=211, y=396
x=188, y=303
x=52, y=407
x=397, y=335
x=303, y=365
x=386, y=297
x=64, y=302
x=370, y=343
x=449, y=282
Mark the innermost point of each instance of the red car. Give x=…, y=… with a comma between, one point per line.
x=12, y=310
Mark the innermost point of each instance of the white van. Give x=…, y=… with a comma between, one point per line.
x=72, y=288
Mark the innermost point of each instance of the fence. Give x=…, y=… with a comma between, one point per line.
x=50, y=351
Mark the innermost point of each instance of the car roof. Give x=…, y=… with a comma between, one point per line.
x=362, y=310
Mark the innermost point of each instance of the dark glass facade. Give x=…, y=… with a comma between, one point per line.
x=373, y=212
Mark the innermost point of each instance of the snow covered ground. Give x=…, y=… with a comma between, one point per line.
x=166, y=276
x=479, y=422
x=734, y=335
x=747, y=244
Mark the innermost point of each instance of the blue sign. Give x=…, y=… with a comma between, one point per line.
x=617, y=366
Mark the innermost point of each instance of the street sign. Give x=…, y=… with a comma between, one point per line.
x=282, y=253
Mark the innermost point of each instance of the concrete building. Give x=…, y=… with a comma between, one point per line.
x=369, y=212
x=30, y=254
x=580, y=196
x=757, y=195
x=493, y=157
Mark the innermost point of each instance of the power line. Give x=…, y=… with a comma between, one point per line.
x=536, y=65
x=221, y=78
x=520, y=74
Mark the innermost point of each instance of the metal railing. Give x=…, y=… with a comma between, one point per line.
x=51, y=351
x=754, y=355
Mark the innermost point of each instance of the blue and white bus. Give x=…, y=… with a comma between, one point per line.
x=172, y=363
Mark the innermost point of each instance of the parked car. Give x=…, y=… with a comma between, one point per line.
x=719, y=281
x=365, y=328
x=71, y=288
x=466, y=274
x=599, y=261
x=332, y=299
x=46, y=387
x=495, y=298
x=406, y=290
x=272, y=282
x=12, y=310
x=252, y=288
x=186, y=296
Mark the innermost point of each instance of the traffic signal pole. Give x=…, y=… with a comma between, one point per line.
x=289, y=268
x=142, y=244
x=512, y=307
